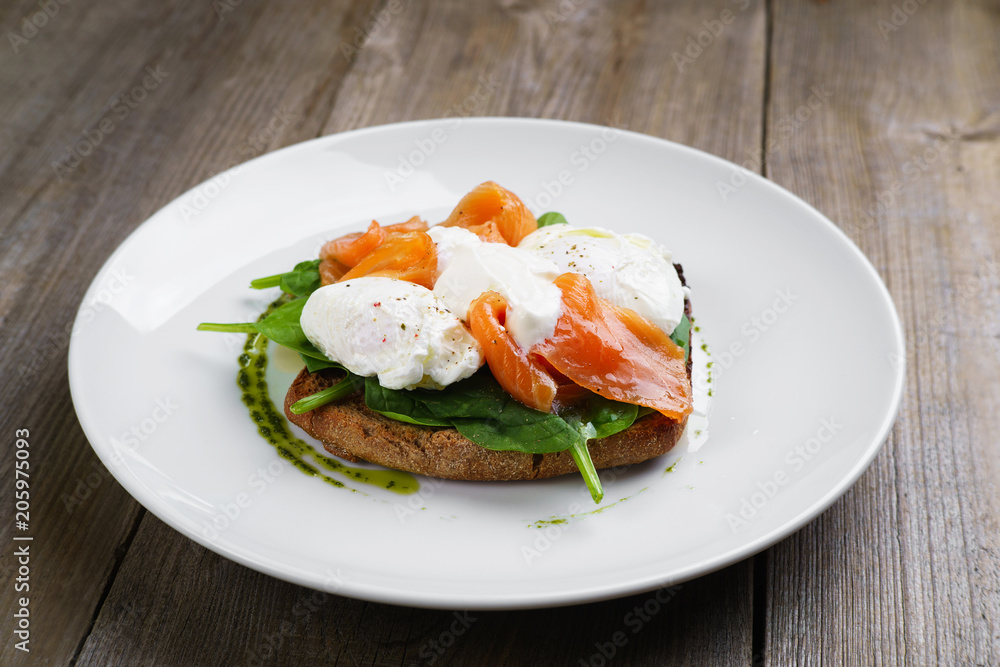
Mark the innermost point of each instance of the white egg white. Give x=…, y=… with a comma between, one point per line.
x=629, y=270
x=391, y=328
x=468, y=267
x=410, y=336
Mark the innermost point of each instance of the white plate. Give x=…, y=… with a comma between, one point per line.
x=806, y=343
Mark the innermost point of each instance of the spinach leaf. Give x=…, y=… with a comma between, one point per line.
x=313, y=364
x=483, y=412
x=541, y=433
x=606, y=416
x=682, y=336
x=400, y=405
x=303, y=280
x=551, y=218
x=477, y=397
x=342, y=389
x=585, y=464
x=282, y=326
x=486, y=414
x=523, y=429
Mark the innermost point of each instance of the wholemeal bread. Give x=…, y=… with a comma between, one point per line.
x=350, y=430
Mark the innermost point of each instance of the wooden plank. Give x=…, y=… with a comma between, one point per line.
x=427, y=61
x=58, y=228
x=181, y=604
x=671, y=626
x=902, y=155
x=598, y=62
x=79, y=519
x=172, y=602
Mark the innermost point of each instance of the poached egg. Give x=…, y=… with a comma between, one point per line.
x=412, y=337
x=467, y=267
x=391, y=328
x=629, y=270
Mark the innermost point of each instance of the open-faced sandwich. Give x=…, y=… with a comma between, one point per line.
x=492, y=346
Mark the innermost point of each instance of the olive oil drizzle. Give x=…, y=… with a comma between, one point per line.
x=272, y=426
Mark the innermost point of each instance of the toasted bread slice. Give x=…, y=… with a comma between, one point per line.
x=350, y=430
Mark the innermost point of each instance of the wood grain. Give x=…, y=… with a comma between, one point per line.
x=153, y=596
x=57, y=230
x=430, y=61
x=903, y=569
x=200, y=608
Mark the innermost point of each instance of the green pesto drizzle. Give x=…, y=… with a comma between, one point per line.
x=708, y=365
x=560, y=520
x=271, y=426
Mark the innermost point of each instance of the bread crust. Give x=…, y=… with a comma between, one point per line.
x=352, y=431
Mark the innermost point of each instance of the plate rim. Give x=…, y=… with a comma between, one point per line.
x=473, y=600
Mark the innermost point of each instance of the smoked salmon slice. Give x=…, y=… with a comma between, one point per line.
x=408, y=256
x=615, y=352
x=349, y=249
x=341, y=254
x=494, y=214
x=521, y=376
x=330, y=271
x=597, y=346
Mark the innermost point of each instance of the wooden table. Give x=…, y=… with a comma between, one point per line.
x=108, y=110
